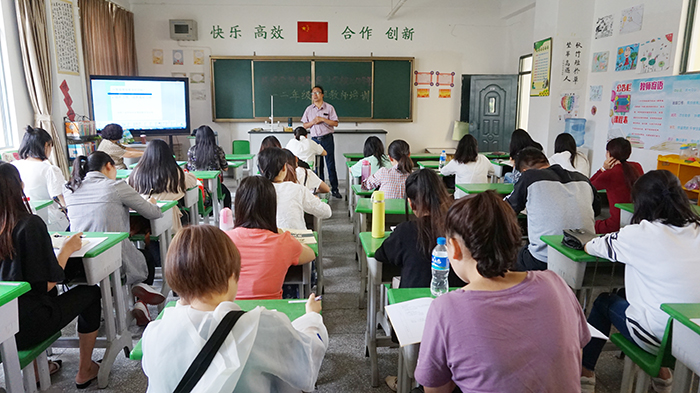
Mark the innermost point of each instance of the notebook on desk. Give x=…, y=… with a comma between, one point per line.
x=305, y=236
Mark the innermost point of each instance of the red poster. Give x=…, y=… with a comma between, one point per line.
x=312, y=32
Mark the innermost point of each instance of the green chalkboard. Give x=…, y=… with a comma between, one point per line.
x=233, y=95
x=288, y=81
x=347, y=86
x=392, y=89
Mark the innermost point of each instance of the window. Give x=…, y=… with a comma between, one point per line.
x=524, y=80
x=690, y=57
x=7, y=134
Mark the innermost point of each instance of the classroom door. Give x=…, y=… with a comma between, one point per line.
x=489, y=106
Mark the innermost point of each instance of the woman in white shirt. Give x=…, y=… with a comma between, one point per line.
x=468, y=165
x=293, y=199
x=304, y=148
x=42, y=180
x=660, y=250
x=302, y=174
x=264, y=352
x=566, y=155
x=373, y=151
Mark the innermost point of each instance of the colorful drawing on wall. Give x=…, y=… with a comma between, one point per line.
x=655, y=55
x=66, y=48
x=604, y=27
x=157, y=55
x=631, y=19
x=596, y=93
x=594, y=110
x=600, y=61
x=198, y=57
x=445, y=78
x=178, y=74
x=423, y=93
x=622, y=103
x=423, y=78
x=178, y=57
x=196, y=77
x=541, y=68
x=445, y=93
x=627, y=57
x=568, y=106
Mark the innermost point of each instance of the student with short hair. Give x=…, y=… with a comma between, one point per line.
x=266, y=252
x=660, y=251
x=111, y=134
x=393, y=180
x=468, y=165
x=304, y=148
x=506, y=331
x=269, y=141
x=519, y=140
x=97, y=202
x=555, y=198
x=292, y=198
x=42, y=180
x=616, y=177
x=157, y=175
x=568, y=157
x=373, y=151
x=264, y=352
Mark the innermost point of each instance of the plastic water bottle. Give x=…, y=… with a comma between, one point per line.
x=441, y=269
x=443, y=159
x=226, y=219
x=366, y=170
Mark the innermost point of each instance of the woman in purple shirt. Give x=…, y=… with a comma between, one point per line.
x=505, y=331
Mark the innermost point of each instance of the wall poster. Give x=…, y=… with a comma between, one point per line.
x=64, y=37
x=656, y=113
x=541, y=68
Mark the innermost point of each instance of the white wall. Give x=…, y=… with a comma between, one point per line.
x=467, y=37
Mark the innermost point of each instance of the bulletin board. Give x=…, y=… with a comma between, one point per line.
x=656, y=113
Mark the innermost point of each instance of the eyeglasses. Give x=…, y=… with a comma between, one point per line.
x=316, y=93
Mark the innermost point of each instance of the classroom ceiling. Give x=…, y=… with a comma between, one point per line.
x=388, y=4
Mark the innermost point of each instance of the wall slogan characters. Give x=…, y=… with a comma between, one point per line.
x=64, y=37
x=541, y=68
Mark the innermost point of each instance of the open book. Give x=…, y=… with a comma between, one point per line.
x=305, y=236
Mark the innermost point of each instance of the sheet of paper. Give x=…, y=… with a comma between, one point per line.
x=87, y=246
x=595, y=333
x=305, y=236
x=408, y=319
x=695, y=321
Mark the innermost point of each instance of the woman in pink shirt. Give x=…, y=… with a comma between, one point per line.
x=266, y=253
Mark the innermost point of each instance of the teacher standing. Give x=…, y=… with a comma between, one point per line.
x=320, y=119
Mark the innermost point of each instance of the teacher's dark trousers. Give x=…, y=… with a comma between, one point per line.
x=329, y=146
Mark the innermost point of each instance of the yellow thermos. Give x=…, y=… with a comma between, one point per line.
x=378, y=210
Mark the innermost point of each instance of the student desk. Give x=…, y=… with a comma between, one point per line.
x=476, y=188
x=181, y=164
x=429, y=164
x=415, y=157
x=40, y=207
x=581, y=271
x=371, y=278
x=9, y=326
x=356, y=193
x=233, y=167
x=249, y=158
x=627, y=210
x=191, y=200
x=350, y=180
x=123, y=173
x=211, y=178
x=301, y=274
x=685, y=343
x=291, y=310
x=102, y=264
x=501, y=166
x=496, y=155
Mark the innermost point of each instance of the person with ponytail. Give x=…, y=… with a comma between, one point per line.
x=305, y=149
x=616, y=177
x=568, y=157
x=393, y=180
x=206, y=155
x=468, y=165
x=42, y=180
x=660, y=251
x=374, y=153
x=27, y=254
x=97, y=202
x=299, y=172
x=111, y=134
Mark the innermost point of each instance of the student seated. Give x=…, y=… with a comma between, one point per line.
x=616, y=177
x=157, y=175
x=266, y=252
x=410, y=245
x=206, y=155
x=97, y=202
x=555, y=198
x=505, y=331
x=374, y=154
x=292, y=198
x=264, y=352
x=468, y=165
x=42, y=180
x=519, y=140
x=27, y=254
x=301, y=173
x=660, y=251
x=111, y=135
x=568, y=157
x=269, y=141
x=304, y=148
x=393, y=180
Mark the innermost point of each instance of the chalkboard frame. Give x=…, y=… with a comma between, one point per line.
x=312, y=60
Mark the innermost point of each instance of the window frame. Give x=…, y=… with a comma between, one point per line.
x=688, y=38
x=521, y=73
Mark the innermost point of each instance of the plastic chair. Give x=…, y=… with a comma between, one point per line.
x=240, y=147
x=647, y=365
x=38, y=353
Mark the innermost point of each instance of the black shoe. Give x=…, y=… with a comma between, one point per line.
x=337, y=195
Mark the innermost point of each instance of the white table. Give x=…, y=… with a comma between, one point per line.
x=9, y=326
x=191, y=200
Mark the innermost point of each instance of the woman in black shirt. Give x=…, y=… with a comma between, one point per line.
x=26, y=254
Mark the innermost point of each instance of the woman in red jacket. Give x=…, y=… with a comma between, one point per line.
x=616, y=177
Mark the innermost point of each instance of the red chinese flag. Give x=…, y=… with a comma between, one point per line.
x=312, y=32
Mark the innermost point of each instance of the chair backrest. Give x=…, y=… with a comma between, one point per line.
x=240, y=147
x=664, y=358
